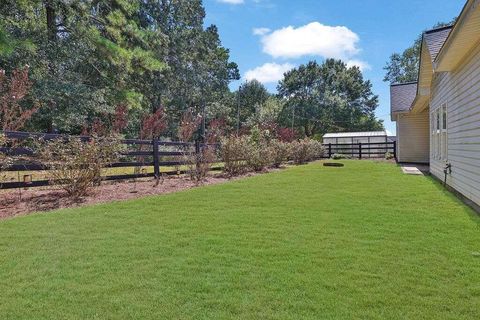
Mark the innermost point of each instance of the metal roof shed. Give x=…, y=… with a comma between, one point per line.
x=368, y=144
x=356, y=137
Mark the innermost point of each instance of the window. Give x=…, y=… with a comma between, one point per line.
x=433, y=144
x=444, y=117
x=439, y=124
x=437, y=115
x=437, y=135
x=443, y=133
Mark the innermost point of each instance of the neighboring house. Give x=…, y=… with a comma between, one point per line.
x=441, y=124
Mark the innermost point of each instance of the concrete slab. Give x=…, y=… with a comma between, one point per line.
x=415, y=169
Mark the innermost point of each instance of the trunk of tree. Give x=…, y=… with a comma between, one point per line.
x=51, y=30
x=51, y=20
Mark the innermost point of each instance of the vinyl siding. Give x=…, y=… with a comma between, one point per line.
x=413, y=138
x=460, y=90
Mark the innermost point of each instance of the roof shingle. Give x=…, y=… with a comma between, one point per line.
x=435, y=39
x=402, y=96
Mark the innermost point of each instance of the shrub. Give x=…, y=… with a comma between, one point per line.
x=388, y=156
x=339, y=156
x=13, y=114
x=286, y=134
x=5, y=160
x=280, y=152
x=259, y=156
x=76, y=165
x=153, y=125
x=189, y=125
x=305, y=150
x=199, y=163
x=216, y=130
x=233, y=152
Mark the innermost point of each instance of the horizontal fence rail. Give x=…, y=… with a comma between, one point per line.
x=157, y=154
x=362, y=150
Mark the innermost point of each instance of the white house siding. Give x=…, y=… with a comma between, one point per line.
x=460, y=91
x=413, y=137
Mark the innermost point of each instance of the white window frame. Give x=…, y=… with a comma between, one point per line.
x=444, y=131
x=436, y=134
x=439, y=133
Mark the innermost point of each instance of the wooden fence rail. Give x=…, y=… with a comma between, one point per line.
x=159, y=154
x=362, y=150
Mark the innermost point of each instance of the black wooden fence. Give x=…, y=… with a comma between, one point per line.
x=362, y=150
x=139, y=154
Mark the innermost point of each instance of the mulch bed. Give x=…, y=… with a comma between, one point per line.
x=19, y=202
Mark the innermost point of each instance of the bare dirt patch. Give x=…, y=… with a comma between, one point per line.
x=20, y=202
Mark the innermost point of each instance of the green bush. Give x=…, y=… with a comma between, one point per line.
x=76, y=165
x=280, y=152
x=305, y=150
x=259, y=156
x=233, y=152
x=258, y=152
x=5, y=160
x=339, y=156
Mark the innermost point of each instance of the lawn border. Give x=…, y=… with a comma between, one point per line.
x=464, y=199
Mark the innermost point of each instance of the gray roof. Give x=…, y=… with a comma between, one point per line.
x=355, y=134
x=435, y=39
x=402, y=96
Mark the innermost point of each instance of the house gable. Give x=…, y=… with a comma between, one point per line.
x=432, y=42
x=462, y=40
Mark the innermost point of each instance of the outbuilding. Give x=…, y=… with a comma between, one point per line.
x=350, y=142
x=356, y=137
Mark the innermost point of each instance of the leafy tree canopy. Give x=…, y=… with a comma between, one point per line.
x=251, y=98
x=328, y=97
x=88, y=56
x=403, y=67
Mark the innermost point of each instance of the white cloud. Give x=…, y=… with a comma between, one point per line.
x=269, y=72
x=358, y=63
x=232, y=1
x=260, y=31
x=313, y=39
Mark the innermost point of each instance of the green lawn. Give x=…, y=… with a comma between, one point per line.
x=310, y=242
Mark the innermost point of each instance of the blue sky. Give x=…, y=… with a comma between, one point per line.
x=267, y=37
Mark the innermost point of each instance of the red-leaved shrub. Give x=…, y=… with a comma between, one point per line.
x=154, y=125
x=13, y=115
x=286, y=134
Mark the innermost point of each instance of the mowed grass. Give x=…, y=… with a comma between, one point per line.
x=310, y=242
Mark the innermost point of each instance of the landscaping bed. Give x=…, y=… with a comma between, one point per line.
x=20, y=201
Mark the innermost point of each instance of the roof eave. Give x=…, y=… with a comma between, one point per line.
x=394, y=115
x=420, y=103
x=425, y=77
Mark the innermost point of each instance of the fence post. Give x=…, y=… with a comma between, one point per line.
x=197, y=154
x=395, y=150
x=329, y=150
x=360, y=150
x=156, y=160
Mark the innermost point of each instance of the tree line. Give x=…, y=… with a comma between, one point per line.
x=94, y=62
